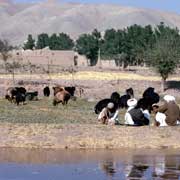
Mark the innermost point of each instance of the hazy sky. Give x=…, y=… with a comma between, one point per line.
x=167, y=5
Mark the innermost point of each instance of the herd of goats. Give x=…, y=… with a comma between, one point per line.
x=64, y=94
x=148, y=98
x=19, y=95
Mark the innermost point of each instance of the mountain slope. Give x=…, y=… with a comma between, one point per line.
x=19, y=20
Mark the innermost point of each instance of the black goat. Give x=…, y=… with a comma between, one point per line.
x=123, y=99
x=115, y=98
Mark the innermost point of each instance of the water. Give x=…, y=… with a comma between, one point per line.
x=28, y=164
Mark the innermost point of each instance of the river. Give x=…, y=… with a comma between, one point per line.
x=49, y=164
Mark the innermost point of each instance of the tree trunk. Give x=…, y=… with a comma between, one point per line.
x=144, y=64
x=123, y=65
x=13, y=77
x=163, y=84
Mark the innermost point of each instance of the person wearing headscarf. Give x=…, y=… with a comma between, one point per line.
x=109, y=115
x=170, y=110
x=135, y=116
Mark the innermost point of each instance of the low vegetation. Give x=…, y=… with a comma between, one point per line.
x=43, y=111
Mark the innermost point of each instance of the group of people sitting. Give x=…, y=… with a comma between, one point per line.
x=167, y=114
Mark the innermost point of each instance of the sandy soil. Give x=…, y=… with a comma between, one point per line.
x=88, y=136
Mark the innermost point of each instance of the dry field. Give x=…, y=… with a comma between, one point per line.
x=91, y=75
x=97, y=84
x=40, y=125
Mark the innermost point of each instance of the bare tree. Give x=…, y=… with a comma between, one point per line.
x=5, y=48
x=11, y=68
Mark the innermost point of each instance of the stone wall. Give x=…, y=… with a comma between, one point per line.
x=46, y=56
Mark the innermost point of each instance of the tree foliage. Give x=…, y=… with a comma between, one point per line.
x=134, y=45
x=42, y=41
x=164, y=55
x=132, y=41
x=60, y=41
x=30, y=43
x=88, y=45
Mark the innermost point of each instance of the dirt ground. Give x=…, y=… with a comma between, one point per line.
x=39, y=125
x=76, y=136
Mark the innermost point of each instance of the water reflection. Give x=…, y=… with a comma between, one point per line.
x=167, y=167
x=109, y=168
x=80, y=165
x=156, y=167
x=137, y=171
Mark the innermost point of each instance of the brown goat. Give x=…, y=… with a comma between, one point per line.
x=58, y=89
x=61, y=96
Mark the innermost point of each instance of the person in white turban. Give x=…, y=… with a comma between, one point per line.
x=135, y=116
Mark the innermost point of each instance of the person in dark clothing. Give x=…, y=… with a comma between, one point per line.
x=135, y=116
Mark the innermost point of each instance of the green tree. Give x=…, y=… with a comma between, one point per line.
x=115, y=45
x=65, y=42
x=109, y=48
x=53, y=42
x=140, y=38
x=60, y=42
x=30, y=44
x=96, y=34
x=164, y=56
x=42, y=41
x=88, y=45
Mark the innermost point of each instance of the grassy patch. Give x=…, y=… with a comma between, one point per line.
x=43, y=111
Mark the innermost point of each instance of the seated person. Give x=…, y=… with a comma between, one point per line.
x=160, y=118
x=135, y=116
x=171, y=111
x=109, y=115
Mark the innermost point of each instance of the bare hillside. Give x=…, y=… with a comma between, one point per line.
x=19, y=20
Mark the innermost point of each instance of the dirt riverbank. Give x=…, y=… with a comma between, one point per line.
x=76, y=136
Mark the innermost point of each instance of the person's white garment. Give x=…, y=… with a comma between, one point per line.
x=101, y=114
x=128, y=118
x=146, y=114
x=169, y=98
x=114, y=118
x=161, y=118
x=132, y=102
